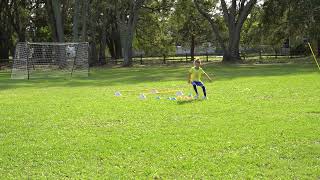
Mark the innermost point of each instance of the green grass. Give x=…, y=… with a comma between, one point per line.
x=261, y=121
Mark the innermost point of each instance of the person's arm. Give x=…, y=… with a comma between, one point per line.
x=207, y=76
x=189, y=78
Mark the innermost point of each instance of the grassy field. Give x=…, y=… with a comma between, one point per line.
x=260, y=121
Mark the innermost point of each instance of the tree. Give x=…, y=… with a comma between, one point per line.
x=75, y=25
x=128, y=22
x=234, y=17
x=55, y=19
x=5, y=30
x=14, y=20
x=85, y=14
x=251, y=30
x=191, y=29
x=154, y=32
x=292, y=21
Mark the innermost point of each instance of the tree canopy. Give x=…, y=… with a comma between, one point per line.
x=125, y=28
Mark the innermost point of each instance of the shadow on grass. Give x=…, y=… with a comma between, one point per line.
x=103, y=77
x=190, y=101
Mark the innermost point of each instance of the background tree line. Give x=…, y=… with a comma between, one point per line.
x=156, y=27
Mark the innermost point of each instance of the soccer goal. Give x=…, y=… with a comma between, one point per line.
x=43, y=60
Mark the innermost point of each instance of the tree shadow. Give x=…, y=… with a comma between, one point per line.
x=143, y=76
x=228, y=72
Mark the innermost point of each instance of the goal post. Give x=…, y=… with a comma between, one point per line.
x=44, y=59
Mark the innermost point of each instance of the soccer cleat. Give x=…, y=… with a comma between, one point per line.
x=196, y=96
x=205, y=98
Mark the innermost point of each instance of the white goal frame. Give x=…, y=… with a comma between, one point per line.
x=52, y=59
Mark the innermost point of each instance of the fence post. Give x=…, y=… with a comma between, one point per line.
x=260, y=54
x=243, y=54
x=186, y=57
x=207, y=56
x=290, y=52
x=164, y=59
x=141, y=59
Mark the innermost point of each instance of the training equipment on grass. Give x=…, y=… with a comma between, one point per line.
x=154, y=91
x=43, y=60
x=117, y=94
x=184, y=98
x=179, y=93
x=142, y=97
x=315, y=59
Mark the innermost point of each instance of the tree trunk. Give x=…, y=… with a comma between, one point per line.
x=85, y=12
x=192, y=47
x=6, y=31
x=4, y=48
x=75, y=27
x=87, y=17
x=232, y=55
x=102, y=50
x=64, y=11
x=116, y=40
x=93, y=58
x=234, y=18
x=128, y=47
x=127, y=36
x=118, y=47
x=56, y=5
x=130, y=30
x=111, y=47
x=17, y=24
x=114, y=43
x=51, y=21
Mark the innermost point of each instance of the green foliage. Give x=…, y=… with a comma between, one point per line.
x=294, y=20
x=252, y=34
x=153, y=32
x=40, y=31
x=186, y=22
x=43, y=34
x=162, y=24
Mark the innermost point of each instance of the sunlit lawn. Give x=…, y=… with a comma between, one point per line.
x=260, y=121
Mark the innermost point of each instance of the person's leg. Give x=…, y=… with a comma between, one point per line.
x=204, y=91
x=194, y=84
x=195, y=88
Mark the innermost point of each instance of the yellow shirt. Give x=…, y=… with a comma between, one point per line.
x=196, y=74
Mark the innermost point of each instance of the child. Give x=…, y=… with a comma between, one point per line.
x=194, y=78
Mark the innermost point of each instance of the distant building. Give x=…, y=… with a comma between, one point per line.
x=180, y=50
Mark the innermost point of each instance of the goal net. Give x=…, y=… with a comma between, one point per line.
x=42, y=60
